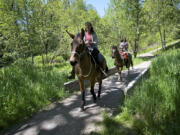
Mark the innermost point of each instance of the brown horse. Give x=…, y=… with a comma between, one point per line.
x=85, y=67
x=120, y=62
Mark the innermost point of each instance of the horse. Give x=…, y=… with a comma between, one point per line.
x=85, y=67
x=120, y=61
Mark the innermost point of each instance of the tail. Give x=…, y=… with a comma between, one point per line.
x=131, y=63
x=106, y=70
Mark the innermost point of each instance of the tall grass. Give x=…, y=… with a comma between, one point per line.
x=154, y=108
x=25, y=88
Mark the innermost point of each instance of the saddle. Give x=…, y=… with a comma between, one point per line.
x=125, y=56
x=97, y=59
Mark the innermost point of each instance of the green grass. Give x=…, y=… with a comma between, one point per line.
x=26, y=88
x=110, y=61
x=137, y=61
x=154, y=107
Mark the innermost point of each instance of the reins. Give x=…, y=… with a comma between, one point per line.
x=80, y=55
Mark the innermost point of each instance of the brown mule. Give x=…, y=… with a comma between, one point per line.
x=85, y=67
x=120, y=62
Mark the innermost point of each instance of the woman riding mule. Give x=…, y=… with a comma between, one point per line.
x=91, y=40
x=84, y=65
x=124, y=51
x=124, y=45
x=119, y=61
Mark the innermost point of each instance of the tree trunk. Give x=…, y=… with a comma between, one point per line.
x=46, y=52
x=137, y=36
x=160, y=35
x=164, y=39
x=32, y=56
x=42, y=59
x=135, y=48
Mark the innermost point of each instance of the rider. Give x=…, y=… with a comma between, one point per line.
x=124, y=45
x=90, y=37
x=91, y=41
x=124, y=48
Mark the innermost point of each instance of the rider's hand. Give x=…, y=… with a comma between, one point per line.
x=90, y=42
x=86, y=42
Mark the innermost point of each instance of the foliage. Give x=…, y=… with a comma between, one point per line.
x=25, y=88
x=30, y=28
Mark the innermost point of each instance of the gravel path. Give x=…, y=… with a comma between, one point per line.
x=65, y=118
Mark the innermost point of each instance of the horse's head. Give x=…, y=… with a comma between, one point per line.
x=77, y=47
x=114, y=51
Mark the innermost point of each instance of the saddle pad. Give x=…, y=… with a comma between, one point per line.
x=124, y=55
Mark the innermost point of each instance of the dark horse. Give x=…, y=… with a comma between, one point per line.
x=120, y=62
x=85, y=67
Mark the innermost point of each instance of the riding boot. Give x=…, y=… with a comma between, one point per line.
x=126, y=62
x=98, y=65
x=94, y=54
x=106, y=70
x=72, y=76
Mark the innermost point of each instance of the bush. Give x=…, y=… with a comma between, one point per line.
x=25, y=88
x=157, y=100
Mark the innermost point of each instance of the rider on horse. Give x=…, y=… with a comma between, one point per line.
x=124, y=49
x=91, y=42
x=124, y=45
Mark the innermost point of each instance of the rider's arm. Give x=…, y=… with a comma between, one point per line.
x=95, y=39
x=126, y=46
x=121, y=45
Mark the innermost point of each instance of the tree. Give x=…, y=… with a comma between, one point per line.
x=163, y=15
x=126, y=19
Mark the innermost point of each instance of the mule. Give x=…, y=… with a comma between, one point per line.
x=85, y=67
x=120, y=61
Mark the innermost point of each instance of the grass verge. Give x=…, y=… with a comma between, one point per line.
x=154, y=107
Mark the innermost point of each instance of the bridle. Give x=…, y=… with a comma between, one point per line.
x=80, y=55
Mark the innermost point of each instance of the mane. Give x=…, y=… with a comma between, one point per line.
x=114, y=47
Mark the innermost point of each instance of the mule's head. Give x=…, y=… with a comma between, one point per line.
x=114, y=51
x=77, y=47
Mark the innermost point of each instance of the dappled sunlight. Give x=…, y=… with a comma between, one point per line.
x=57, y=120
x=69, y=101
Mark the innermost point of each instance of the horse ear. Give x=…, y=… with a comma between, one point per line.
x=82, y=33
x=70, y=34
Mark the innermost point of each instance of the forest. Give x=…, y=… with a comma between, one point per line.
x=30, y=28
